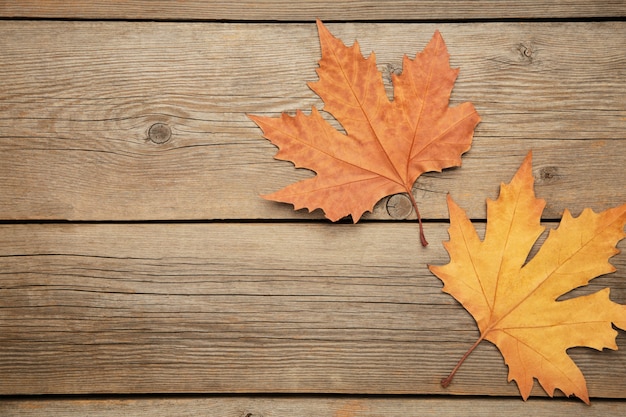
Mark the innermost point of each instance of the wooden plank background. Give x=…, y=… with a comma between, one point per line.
x=336, y=406
x=138, y=262
x=81, y=97
x=285, y=10
x=242, y=308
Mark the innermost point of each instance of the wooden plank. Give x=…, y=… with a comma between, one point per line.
x=249, y=406
x=245, y=308
x=78, y=100
x=282, y=10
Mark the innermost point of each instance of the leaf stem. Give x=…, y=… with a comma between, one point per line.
x=446, y=381
x=419, y=218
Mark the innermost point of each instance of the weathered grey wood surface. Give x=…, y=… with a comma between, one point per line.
x=79, y=98
x=237, y=308
x=112, y=131
x=360, y=406
x=285, y=10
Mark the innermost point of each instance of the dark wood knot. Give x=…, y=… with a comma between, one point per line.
x=527, y=52
x=399, y=206
x=159, y=133
x=548, y=175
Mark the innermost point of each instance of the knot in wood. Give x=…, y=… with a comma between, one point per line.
x=249, y=414
x=387, y=70
x=399, y=206
x=159, y=133
x=549, y=175
x=526, y=51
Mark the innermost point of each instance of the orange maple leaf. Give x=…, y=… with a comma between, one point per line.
x=514, y=302
x=387, y=144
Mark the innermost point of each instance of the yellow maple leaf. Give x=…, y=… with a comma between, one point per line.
x=514, y=302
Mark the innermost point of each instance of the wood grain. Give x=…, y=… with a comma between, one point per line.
x=78, y=100
x=283, y=10
x=245, y=308
x=136, y=110
x=342, y=406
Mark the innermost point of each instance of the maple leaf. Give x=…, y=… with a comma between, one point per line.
x=387, y=144
x=514, y=301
